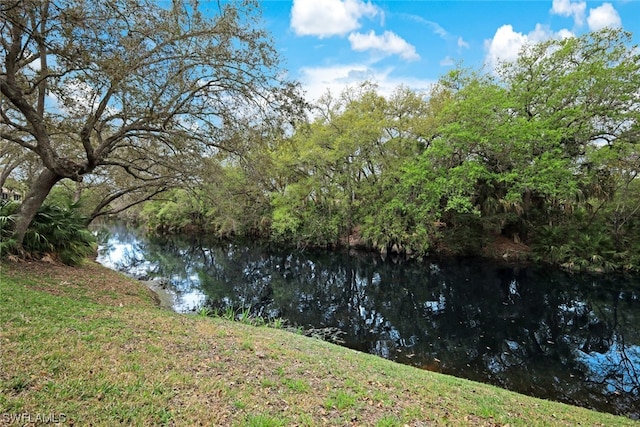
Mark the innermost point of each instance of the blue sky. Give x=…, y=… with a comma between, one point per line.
x=327, y=44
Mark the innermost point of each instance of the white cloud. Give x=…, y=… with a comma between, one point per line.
x=507, y=43
x=576, y=9
x=35, y=65
x=388, y=43
x=462, y=43
x=435, y=27
x=447, y=61
x=77, y=98
x=564, y=34
x=603, y=16
x=328, y=18
x=317, y=80
x=542, y=33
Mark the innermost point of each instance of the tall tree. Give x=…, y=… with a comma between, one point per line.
x=336, y=169
x=136, y=85
x=523, y=150
x=578, y=103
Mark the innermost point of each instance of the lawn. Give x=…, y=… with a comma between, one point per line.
x=89, y=346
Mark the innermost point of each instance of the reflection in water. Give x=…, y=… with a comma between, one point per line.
x=571, y=338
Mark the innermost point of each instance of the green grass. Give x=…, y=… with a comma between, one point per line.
x=297, y=385
x=341, y=400
x=68, y=347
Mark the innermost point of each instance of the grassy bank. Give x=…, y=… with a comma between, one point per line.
x=90, y=347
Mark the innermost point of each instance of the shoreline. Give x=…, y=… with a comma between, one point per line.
x=164, y=297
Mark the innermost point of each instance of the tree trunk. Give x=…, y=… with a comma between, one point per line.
x=32, y=202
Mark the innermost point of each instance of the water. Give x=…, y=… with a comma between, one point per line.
x=570, y=338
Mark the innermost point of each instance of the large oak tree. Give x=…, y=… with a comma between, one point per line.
x=139, y=86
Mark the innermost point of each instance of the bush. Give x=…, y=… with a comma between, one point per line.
x=7, y=218
x=55, y=230
x=587, y=247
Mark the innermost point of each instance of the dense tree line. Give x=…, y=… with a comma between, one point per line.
x=183, y=120
x=542, y=153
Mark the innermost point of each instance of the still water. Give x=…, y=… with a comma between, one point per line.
x=545, y=333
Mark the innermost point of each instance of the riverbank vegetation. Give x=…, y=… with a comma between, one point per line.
x=536, y=159
x=87, y=345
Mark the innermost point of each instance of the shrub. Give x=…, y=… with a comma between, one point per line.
x=55, y=230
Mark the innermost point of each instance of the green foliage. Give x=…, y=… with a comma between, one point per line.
x=234, y=204
x=389, y=421
x=592, y=241
x=178, y=211
x=571, y=248
x=336, y=170
x=229, y=204
x=62, y=231
x=401, y=219
x=7, y=216
x=543, y=152
x=284, y=225
x=285, y=221
x=204, y=312
x=7, y=219
x=241, y=315
x=464, y=234
x=56, y=230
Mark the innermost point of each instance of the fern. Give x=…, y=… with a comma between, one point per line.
x=56, y=230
